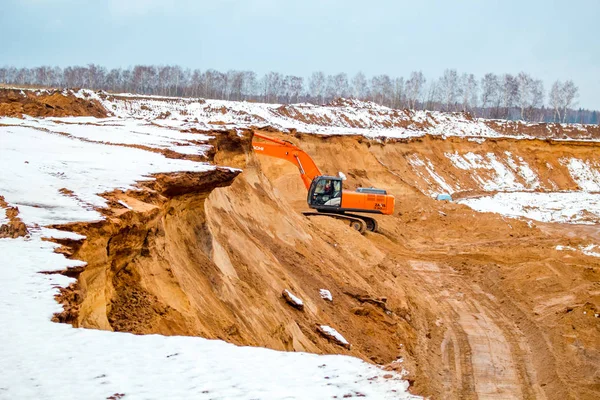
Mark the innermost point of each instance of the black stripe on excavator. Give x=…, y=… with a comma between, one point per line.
x=339, y=210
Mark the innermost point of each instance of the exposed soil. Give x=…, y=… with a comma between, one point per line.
x=47, y=103
x=545, y=130
x=14, y=228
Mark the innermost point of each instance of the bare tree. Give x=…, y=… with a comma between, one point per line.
x=448, y=86
x=537, y=99
x=273, y=86
x=414, y=88
x=360, y=86
x=468, y=91
x=569, y=94
x=250, y=85
x=556, y=99
x=490, y=91
x=524, y=92
x=505, y=96
x=382, y=89
x=316, y=86
x=508, y=93
x=399, y=93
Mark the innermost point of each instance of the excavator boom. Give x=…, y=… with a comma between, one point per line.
x=288, y=151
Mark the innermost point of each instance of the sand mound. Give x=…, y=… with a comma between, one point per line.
x=47, y=103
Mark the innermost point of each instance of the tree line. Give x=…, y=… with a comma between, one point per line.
x=504, y=96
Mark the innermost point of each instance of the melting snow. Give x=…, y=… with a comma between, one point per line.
x=498, y=175
x=294, y=299
x=585, y=173
x=344, y=117
x=325, y=294
x=3, y=218
x=418, y=165
x=37, y=164
x=589, y=250
x=121, y=202
x=121, y=131
x=565, y=207
x=332, y=332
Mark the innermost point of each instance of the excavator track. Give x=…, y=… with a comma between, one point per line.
x=370, y=222
x=358, y=222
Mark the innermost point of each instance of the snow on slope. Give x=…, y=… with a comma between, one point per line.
x=564, y=207
x=591, y=250
x=519, y=187
x=41, y=359
x=426, y=170
x=37, y=164
x=585, y=173
x=120, y=131
x=341, y=118
x=502, y=175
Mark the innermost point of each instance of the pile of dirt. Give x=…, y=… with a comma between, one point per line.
x=476, y=305
x=14, y=228
x=47, y=103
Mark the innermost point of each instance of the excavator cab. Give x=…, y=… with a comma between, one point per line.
x=325, y=193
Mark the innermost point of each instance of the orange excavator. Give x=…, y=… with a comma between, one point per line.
x=325, y=193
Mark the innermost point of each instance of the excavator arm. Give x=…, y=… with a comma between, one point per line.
x=336, y=203
x=288, y=151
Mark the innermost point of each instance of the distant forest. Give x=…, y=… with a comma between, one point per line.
x=503, y=96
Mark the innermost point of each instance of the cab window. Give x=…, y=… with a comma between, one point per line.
x=320, y=189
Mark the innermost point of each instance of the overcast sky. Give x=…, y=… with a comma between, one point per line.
x=548, y=39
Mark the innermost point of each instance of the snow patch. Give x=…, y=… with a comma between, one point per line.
x=592, y=250
x=121, y=202
x=333, y=333
x=342, y=117
x=325, y=294
x=56, y=161
x=563, y=207
x=585, y=173
x=294, y=299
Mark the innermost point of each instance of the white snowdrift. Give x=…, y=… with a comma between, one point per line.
x=44, y=360
x=294, y=299
x=564, y=207
x=346, y=117
x=325, y=294
x=120, y=131
x=585, y=173
x=333, y=333
x=592, y=250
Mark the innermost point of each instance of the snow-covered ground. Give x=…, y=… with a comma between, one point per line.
x=564, y=207
x=346, y=116
x=55, y=178
x=518, y=189
x=120, y=131
x=584, y=172
x=592, y=250
x=501, y=174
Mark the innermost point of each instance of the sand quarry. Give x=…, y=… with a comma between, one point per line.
x=458, y=303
